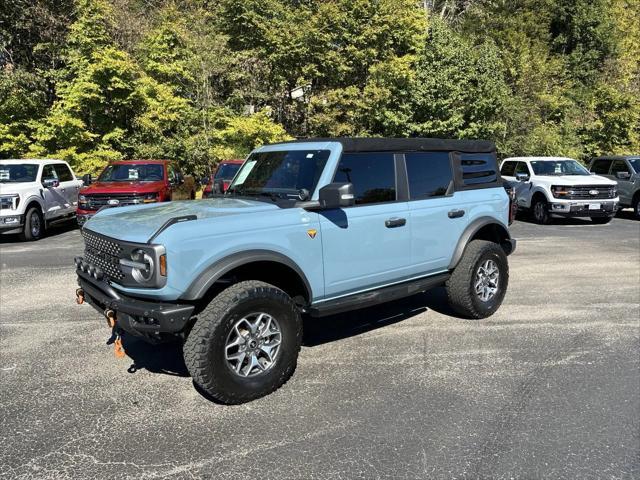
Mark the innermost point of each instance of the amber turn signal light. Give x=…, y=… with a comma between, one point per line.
x=163, y=265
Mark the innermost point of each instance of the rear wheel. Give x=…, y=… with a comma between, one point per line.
x=479, y=282
x=245, y=343
x=601, y=220
x=33, y=225
x=540, y=210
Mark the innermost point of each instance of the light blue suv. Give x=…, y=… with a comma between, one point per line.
x=311, y=227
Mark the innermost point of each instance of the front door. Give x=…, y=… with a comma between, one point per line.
x=56, y=203
x=369, y=244
x=625, y=186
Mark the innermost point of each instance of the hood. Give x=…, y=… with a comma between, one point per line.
x=138, y=223
x=122, y=187
x=23, y=188
x=575, y=180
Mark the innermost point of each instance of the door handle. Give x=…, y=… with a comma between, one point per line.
x=395, y=222
x=456, y=213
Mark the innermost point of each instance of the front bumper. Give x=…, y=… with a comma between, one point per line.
x=12, y=227
x=594, y=208
x=143, y=318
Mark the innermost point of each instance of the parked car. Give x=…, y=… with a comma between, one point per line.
x=548, y=186
x=626, y=172
x=314, y=227
x=35, y=194
x=133, y=182
x=225, y=171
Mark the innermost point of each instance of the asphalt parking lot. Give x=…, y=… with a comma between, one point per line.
x=549, y=387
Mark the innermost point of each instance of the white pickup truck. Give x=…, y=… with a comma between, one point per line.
x=561, y=186
x=35, y=194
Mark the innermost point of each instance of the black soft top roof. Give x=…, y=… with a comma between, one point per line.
x=407, y=144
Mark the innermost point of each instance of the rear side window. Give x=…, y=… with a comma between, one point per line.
x=508, y=169
x=63, y=172
x=600, y=167
x=619, y=166
x=373, y=176
x=429, y=174
x=478, y=169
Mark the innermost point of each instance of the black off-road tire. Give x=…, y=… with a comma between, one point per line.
x=31, y=231
x=601, y=220
x=540, y=211
x=460, y=286
x=204, y=349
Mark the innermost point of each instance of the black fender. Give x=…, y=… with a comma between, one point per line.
x=214, y=272
x=474, y=227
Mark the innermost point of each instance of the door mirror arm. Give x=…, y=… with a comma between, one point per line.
x=50, y=183
x=522, y=177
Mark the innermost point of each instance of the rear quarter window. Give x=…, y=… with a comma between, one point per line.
x=479, y=169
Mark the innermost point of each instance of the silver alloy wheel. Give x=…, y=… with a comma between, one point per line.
x=487, y=280
x=538, y=210
x=35, y=224
x=253, y=344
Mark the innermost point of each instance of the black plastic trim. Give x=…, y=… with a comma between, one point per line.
x=471, y=230
x=168, y=223
x=374, y=297
x=205, y=280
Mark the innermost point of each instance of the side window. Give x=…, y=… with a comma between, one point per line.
x=601, y=167
x=63, y=172
x=429, y=174
x=48, y=173
x=619, y=166
x=171, y=173
x=508, y=169
x=479, y=168
x=373, y=176
x=522, y=168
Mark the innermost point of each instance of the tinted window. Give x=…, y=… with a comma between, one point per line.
x=601, y=167
x=48, y=173
x=227, y=171
x=429, y=174
x=63, y=172
x=619, y=166
x=558, y=167
x=132, y=172
x=522, y=168
x=635, y=163
x=479, y=168
x=373, y=176
x=508, y=169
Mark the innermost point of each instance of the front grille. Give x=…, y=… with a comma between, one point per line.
x=96, y=201
x=103, y=253
x=589, y=192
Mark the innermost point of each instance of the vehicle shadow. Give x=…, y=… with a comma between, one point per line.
x=167, y=358
x=52, y=231
x=626, y=214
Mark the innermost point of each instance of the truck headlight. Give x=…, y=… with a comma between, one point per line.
x=10, y=201
x=560, y=191
x=146, y=266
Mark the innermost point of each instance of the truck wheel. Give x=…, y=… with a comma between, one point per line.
x=636, y=206
x=33, y=225
x=479, y=282
x=541, y=211
x=245, y=343
x=601, y=220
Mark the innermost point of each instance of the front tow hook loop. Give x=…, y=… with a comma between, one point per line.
x=111, y=318
x=118, y=349
x=79, y=296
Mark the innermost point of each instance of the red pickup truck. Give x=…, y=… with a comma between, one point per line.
x=133, y=182
x=224, y=173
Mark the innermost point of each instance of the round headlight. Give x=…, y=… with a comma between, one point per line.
x=142, y=275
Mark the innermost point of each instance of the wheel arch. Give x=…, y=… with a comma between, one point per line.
x=265, y=265
x=483, y=228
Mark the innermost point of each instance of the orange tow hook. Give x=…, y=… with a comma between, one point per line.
x=111, y=318
x=118, y=349
x=79, y=296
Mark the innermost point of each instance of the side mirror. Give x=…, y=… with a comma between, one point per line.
x=522, y=177
x=87, y=179
x=623, y=175
x=50, y=183
x=337, y=195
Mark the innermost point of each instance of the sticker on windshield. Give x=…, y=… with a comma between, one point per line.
x=309, y=155
x=244, y=172
x=5, y=175
x=133, y=174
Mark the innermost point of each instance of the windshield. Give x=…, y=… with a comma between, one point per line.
x=285, y=174
x=558, y=167
x=635, y=163
x=132, y=172
x=18, y=172
x=227, y=171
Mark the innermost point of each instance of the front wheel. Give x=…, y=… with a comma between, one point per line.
x=479, y=282
x=601, y=220
x=245, y=343
x=636, y=207
x=541, y=211
x=33, y=225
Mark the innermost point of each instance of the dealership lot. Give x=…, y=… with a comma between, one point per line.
x=548, y=387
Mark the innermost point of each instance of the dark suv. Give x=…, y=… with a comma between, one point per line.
x=626, y=171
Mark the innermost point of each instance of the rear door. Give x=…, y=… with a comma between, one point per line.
x=69, y=186
x=55, y=201
x=368, y=244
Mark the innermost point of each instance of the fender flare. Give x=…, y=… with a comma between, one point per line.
x=470, y=231
x=199, y=287
x=35, y=199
